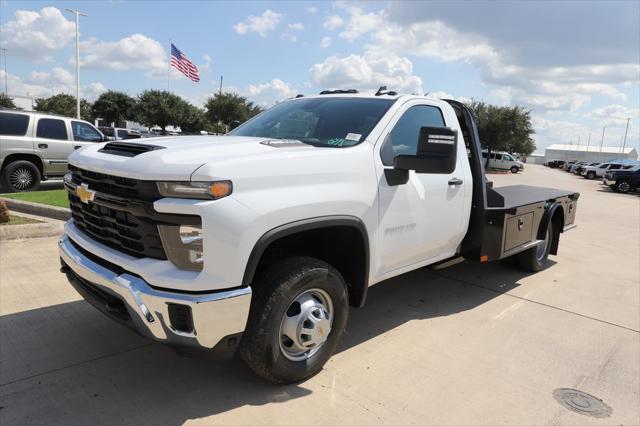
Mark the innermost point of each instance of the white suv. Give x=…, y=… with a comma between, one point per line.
x=34, y=146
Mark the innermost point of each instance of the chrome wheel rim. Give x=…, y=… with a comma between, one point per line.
x=306, y=325
x=541, y=250
x=21, y=178
x=623, y=187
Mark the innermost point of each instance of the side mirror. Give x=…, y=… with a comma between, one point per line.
x=436, y=152
x=233, y=124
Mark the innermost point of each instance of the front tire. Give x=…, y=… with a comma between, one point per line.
x=298, y=314
x=591, y=175
x=622, y=186
x=514, y=169
x=20, y=176
x=535, y=259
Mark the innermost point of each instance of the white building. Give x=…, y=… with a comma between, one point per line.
x=593, y=153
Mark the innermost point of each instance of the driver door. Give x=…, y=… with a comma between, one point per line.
x=84, y=134
x=423, y=220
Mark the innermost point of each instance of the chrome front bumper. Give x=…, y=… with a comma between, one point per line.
x=608, y=182
x=214, y=316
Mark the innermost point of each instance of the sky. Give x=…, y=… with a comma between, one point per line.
x=575, y=65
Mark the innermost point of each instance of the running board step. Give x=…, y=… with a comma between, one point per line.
x=446, y=263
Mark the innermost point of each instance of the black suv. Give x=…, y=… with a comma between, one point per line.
x=623, y=180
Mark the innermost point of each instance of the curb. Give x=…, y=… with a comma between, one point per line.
x=37, y=209
x=31, y=230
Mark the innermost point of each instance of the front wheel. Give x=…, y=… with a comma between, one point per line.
x=21, y=176
x=514, y=169
x=298, y=315
x=535, y=259
x=622, y=186
x=591, y=175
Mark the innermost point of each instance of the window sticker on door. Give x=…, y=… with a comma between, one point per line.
x=353, y=136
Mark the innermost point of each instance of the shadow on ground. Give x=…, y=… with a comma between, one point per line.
x=65, y=352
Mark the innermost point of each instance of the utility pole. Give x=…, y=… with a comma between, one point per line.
x=624, y=143
x=78, y=14
x=588, y=142
x=4, y=54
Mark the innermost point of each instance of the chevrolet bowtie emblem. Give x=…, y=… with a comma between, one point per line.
x=84, y=193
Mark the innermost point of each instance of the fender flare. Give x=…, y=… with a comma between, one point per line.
x=544, y=223
x=305, y=225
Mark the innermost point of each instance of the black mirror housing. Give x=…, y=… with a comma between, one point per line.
x=436, y=152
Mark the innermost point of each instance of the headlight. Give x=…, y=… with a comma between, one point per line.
x=199, y=190
x=68, y=178
x=183, y=245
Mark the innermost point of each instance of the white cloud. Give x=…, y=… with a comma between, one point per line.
x=325, y=42
x=206, y=65
x=333, y=22
x=312, y=10
x=36, y=35
x=367, y=72
x=47, y=83
x=539, y=87
x=262, y=24
x=136, y=51
x=440, y=95
x=266, y=94
x=361, y=23
x=615, y=115
x=296, y=26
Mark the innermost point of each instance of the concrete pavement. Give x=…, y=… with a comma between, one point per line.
x=473, y=344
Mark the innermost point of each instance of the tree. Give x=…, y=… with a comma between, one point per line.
x=160, y=108
x=6, y=101
x=64, y=104
x=114, y=107
x=503, y=128
x=230, y=107
x=193, y=119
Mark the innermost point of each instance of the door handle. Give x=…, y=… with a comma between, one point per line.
x=43, y=146
x=455, y=181
x=77, y=146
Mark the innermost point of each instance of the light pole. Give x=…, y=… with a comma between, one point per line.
x=4, y=56
x=78, y=14
x=624, y=143
x=602, y=141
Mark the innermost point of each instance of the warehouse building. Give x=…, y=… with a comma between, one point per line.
x=592, y=153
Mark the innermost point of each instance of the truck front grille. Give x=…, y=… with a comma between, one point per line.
x=117, y=215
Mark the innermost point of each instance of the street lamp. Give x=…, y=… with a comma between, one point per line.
x=4, y=54
x=78, y=14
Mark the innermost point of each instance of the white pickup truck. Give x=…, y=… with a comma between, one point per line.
x=260, y=240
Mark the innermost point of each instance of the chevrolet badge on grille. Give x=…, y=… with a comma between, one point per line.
x=84, y=193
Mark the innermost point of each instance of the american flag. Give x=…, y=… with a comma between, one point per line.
x=180, y=61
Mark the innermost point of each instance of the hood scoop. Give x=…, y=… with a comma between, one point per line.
x=127, y=149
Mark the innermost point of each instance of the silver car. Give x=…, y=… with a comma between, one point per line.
x=34, y=146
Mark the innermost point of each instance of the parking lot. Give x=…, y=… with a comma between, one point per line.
x=472, y=344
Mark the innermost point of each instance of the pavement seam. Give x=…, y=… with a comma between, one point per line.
x=534, y=301
x=44, y=373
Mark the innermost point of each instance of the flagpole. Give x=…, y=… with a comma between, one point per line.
x=169, y=69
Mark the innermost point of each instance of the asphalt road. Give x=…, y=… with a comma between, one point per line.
x=473, y=344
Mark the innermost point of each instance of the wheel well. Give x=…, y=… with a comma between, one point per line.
x=26, y=157
x=343, y=247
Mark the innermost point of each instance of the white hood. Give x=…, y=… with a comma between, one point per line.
x=179, y=157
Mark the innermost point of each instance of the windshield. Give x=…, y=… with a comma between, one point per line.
x=329, y=122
